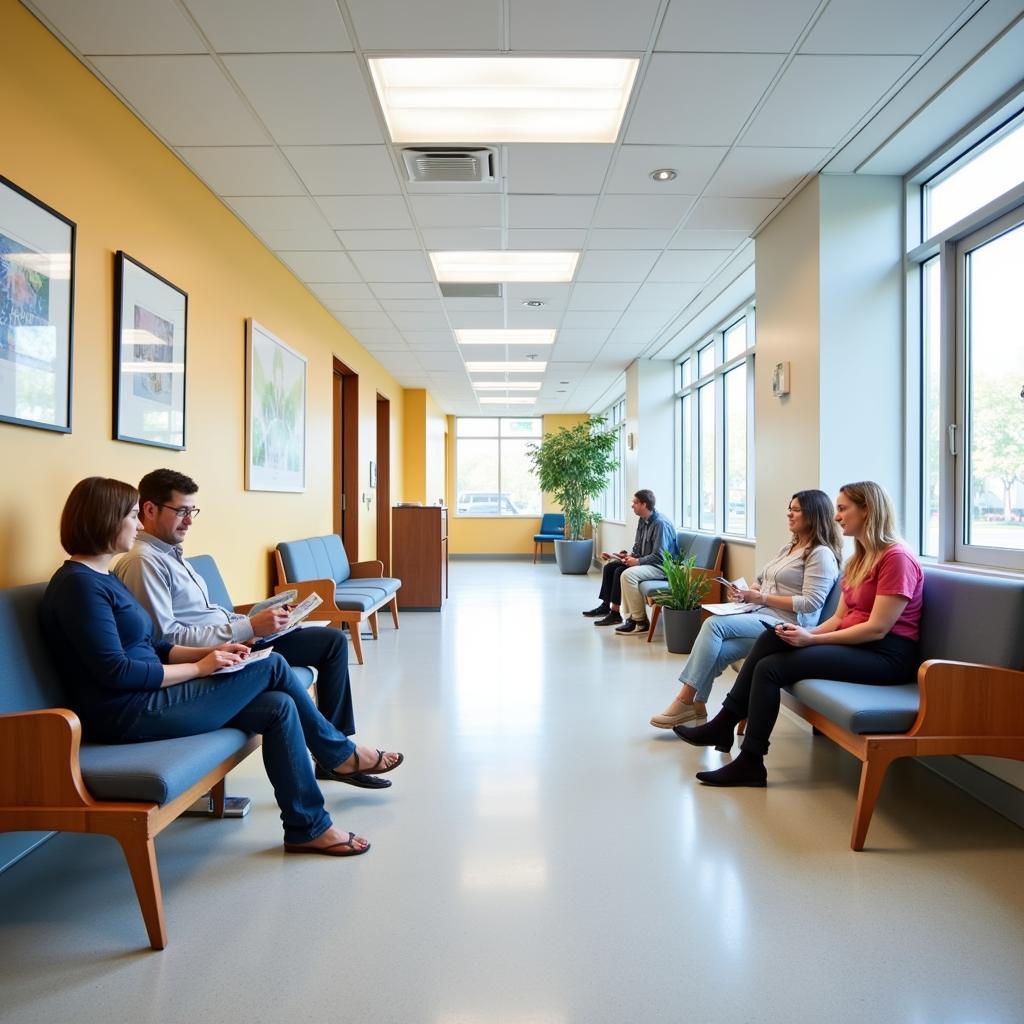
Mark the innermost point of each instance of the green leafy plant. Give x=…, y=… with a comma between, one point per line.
x=573, y=465
x=687, y=585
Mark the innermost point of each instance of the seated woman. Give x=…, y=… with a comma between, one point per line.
x=127, y=686
x=793, y=587
x=871, y=638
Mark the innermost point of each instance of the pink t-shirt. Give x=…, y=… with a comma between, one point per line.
x=896, y=574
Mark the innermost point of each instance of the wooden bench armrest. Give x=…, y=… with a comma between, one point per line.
x=367, y=570
x=962, y=699
x=39, y=760
x=325, y=588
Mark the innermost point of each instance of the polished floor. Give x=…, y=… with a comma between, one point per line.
x=544, y=857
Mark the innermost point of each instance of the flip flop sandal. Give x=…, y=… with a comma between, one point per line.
x=346, y=849
x=360, y=779
x=375, y=768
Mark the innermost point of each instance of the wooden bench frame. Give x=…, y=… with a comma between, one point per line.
x=965, y=709
x=329, y=610
x=41, y=790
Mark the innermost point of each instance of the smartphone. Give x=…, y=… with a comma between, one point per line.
x=770, y=626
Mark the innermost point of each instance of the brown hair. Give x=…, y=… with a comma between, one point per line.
x=879, y=531
x=93, y=514
x=817, y=509
x=646, y=496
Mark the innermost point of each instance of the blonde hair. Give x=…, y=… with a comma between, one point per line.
x=879, y=530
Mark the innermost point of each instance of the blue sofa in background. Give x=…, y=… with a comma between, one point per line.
x=552, y=528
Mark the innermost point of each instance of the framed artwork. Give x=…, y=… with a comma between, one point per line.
x=275, y=413
x=150, y=325
x=37, y=288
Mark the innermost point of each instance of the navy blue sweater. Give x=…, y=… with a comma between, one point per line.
x=102, y=642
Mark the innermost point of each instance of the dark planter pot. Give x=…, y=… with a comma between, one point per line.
x=681, y=629
x=573, y=556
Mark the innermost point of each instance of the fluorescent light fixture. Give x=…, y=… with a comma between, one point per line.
x=514, y=400
x=503, y=265
x=505, y=336
x=451, y=100
x=524, y=366
x=504, y=385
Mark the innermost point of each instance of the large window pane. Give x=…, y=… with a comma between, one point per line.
x=478, y=488
x=736, y=339
x=995, y=373
x=519, y=494
x=688, y=446
x=706, y=360
x=736, y=450
x=931, y=454
x=706, y=463
x=493, y=474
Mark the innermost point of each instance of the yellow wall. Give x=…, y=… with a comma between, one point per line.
x=496, y=536
x=73, y=145
x=424, y=446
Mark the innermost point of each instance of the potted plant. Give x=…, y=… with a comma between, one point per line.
x=686, y=587
x=573, y=465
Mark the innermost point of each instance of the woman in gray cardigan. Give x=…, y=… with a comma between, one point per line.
x=792, y=587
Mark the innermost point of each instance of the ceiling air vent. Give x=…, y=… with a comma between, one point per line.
x=449, y=164
x=470, y=290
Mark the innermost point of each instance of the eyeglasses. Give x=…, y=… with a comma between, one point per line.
x=184, y=512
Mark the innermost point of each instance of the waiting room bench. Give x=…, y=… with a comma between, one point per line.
x=710, y=553
x=968, y=698
x=351, y=591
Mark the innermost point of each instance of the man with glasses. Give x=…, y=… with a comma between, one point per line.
x=176, y=597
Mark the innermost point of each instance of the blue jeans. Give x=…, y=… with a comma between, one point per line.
x=262, y=698
x=326, y=650
x=722, y=640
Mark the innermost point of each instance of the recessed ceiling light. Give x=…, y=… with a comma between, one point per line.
x=565, y=382
x=505, y=367
x=514, y=400
x=503, y=265
x=504, y=385
x=534, y=303
x=664, y=174
x=503, y=99
x=505, y=336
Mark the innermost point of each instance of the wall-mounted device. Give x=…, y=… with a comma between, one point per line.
x=780, y=379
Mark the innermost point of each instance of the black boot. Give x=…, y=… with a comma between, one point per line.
x=745, y=769
x=717, y=733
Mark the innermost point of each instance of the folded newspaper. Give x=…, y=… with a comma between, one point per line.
x=285, y=597
x=299, y=612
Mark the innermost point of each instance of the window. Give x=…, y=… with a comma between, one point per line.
x=612, y=502
x=715, y=411
x=970, y=388
x=493, y=474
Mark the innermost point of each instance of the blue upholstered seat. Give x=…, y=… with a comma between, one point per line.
x=324, y=558
x=704, y=546
x=552, y=527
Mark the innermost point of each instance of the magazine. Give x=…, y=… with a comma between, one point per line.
x=285, y=597
x=245, y=662
x=299, y=612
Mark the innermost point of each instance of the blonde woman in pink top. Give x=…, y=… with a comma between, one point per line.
x=871, y=638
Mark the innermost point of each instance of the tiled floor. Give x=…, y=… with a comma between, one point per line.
x=544, y=857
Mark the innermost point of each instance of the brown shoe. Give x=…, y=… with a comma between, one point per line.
x=679, y=713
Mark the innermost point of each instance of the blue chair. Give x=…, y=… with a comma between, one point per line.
x=552, y=528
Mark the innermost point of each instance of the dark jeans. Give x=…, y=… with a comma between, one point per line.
x=611, y=582
x=772, y=664
x=326, y=650
x=262, y=698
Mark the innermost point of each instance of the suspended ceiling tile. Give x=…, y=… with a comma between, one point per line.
x=693, y=165
x=430, y=360
x=461, y=239
x=535, y=319
x=688, y=266
x=353, y=318
x=277, y=213
x=729, y=86
x=265, y=26
x=123, y=26
x=564, y=239
x=641, y=211
x=413, y=305
x=737, y=26
x=319, y=237
x=308, y=98
x=378, y=336
x=436, y=321
x=344, y=170
x=880, y=26
x=629, y=238
x=412, y=25
x=552, y=295
x=243, y=170
x=429, y=339
x=457, y=211
x=690, y=238
x=378, y=240
x=733, y=214
x=341, y=291
x=393, y=266
x=658, y=297
x=475, y=318
x=185, y=99
x=629, y=265
x=764, y=171
x=550, y=211
x=590, y=319
x=603, y=296
x=557, y=169
x=404, y=290
x=320, y=267
x=365, y=213
x=820, y=99
x=470, y=305
x=542, y=26
x=352, y=305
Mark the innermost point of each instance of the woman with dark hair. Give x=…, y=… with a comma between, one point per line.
x=792, y=587
x=871, y=638
x=128, y=686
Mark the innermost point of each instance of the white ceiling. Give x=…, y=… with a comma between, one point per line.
x=270, y=103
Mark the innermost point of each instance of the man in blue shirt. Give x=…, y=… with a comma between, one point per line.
x=623, y=572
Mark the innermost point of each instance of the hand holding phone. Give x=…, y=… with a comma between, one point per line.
x=771, y=626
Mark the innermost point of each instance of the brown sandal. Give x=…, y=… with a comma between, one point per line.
x=347, y=849
x=375, y=768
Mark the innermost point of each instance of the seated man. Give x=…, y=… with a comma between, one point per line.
x=176, y=597
x=623, y=573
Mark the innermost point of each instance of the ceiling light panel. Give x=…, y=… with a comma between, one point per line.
x=512, y=366
x=512, y=400
x=497, y=385
x=503, y=99
x=470, y=336
x=505, y=266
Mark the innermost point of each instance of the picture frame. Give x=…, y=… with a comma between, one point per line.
x=150, y=350
x=275, y=412
x=37, y=295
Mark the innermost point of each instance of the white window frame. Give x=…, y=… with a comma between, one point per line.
x=497, y=439
x=611, y=505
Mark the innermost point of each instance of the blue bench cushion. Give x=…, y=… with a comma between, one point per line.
x=157, y=771
x=315, y=558
x=859, y=708
x=552, y=527
x=365, y=594
x=703, y=545
x=548, y=536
